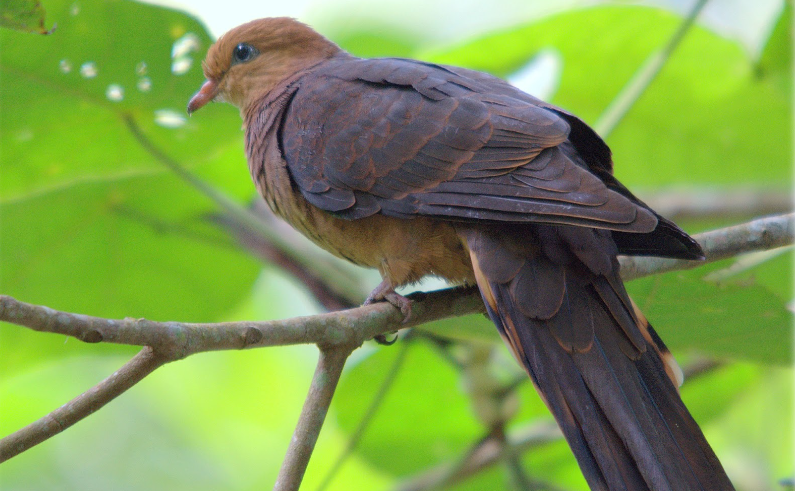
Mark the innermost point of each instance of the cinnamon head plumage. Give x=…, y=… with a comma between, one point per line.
x=273, y=49
x=420, y=169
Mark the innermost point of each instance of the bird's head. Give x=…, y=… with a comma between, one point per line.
x=250, y=60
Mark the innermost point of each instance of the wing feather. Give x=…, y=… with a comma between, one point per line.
x=421, y=139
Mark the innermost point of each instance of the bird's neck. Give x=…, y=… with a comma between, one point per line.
x=268, y=88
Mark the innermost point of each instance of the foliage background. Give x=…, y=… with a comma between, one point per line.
x=90, y=222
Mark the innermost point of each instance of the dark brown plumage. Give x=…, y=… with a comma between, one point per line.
x=419, y=169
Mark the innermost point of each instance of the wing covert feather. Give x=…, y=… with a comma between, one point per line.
x=407, y=138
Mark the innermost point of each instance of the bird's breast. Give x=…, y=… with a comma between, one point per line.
x=403, y=250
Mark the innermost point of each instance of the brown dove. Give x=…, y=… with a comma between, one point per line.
x=421, y=169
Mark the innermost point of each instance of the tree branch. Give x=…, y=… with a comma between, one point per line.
x=487, y=453
x=758, y=235
x=144, y=363
x=378, y=398
x=324, y=383
x=723, y=201
x=176, y=340
x=335, y=332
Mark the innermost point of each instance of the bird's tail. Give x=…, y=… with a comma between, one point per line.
x=556, y=297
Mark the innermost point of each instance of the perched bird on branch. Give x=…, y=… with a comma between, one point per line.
x=420, y=169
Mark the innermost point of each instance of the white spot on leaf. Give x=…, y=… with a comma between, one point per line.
x=144, y=84
x=181, y=65
x=88, y=69
x=181, y=59
x=65, y=66
x=185, y=45
x=114, y=92
x=169, y=118
x=24, y=135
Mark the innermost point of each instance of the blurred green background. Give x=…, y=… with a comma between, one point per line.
x=91, y=222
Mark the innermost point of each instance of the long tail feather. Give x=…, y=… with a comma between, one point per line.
x=556, y=297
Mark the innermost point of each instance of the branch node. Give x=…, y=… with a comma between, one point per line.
x=91, y=336
x=252, y=336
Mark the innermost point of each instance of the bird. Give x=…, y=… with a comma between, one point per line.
x=419, y=169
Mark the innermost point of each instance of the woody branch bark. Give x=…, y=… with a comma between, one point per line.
x=758, y=235
x=169, y=341
x=142, y=364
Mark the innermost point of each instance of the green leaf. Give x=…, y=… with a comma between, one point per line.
x=63, y=123
x=709, y=117
x=710, y=395
x=731, y=319
x=776, y=60
x=119, y=250
x=23, y=15
x=476, y=327
x=92, y=221
x=423, y=419
x=754, y=437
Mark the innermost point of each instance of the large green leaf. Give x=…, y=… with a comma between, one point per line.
x=731, y=319
x=710, y=116
x=62, y=123
x=92, y=221
x=423, y=419
x=119, y=250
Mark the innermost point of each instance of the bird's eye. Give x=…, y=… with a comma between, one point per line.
x=244, y=52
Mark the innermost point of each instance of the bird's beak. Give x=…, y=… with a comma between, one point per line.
x=207, y=93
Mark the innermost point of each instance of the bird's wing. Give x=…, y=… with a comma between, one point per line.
x=407, y=138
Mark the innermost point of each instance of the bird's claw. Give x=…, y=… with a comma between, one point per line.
x=401, y=302
x=383, y=341
x=384, y=291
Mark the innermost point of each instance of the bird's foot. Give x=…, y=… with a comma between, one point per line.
x=385, y=291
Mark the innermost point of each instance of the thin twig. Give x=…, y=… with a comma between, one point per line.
x=353, y=326
x=631, y=92
x=700, y=367
x=142, y=364
x=512, y=456
x=174, y=340
x=487, y=453
x=330, y=298
x=723, y=202
x=759, y=235
x=340, y=276
x=513, y=462
x=324, y=383
x=378, y=398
